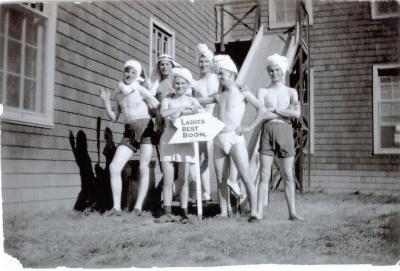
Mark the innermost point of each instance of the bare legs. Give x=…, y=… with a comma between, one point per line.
x=145, y=156
x=263, y=186
x=286, y=168
x=168, y=175
x=205, y=148
x=122, y=156
x=221, y=162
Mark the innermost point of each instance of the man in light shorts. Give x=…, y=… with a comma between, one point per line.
x=276, y=138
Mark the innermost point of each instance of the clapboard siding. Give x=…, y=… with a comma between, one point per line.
x=345, y=43
x=19, y=180
x=93, y=40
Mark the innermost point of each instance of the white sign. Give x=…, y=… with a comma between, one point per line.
x=194, y=128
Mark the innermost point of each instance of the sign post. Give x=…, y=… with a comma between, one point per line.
x=195, y=128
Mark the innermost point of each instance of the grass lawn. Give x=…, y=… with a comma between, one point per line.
x=340, y=229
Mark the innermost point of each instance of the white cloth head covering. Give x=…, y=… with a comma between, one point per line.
x=278, y=60
x=184, y=73
x=136, y=65
x=202, y=50
x=126, y=89
x=155, y=77
x=225, y=62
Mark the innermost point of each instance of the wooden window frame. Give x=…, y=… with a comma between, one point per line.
x=272, y=15
x=43, y=119
x=171, y=50
x=376, y=118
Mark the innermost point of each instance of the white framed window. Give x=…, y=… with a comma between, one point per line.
x=162, y=41
x=385, y=9
x=27, y=56
x=386, y=108
x=282, y=13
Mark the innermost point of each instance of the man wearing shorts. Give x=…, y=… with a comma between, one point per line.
x=133, y=101
x=276, y=138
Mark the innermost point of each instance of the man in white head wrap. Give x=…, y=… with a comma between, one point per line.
x=230, y=143
x=160, y=76
x=276, y=138
x=161, y=85
x=278, y=60
x=205, y=86
x=225, y=62
x=133, y=102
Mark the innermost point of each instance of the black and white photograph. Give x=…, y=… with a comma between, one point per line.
x=200, y=133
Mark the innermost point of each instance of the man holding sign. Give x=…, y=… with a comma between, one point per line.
x=230, y=143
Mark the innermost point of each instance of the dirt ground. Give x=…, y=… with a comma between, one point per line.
x=340, y=229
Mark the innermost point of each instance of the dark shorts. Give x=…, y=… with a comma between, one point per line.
x=138, y=132
x=277, y=139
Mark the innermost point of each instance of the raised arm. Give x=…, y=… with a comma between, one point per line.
x=105, y=96
x=294, y=109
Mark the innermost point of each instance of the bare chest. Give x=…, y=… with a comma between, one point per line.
x=132, y=100
x=277, y=98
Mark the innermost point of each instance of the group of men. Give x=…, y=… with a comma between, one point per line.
x=139, y=104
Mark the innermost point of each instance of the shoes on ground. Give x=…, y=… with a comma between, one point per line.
x=166, y=218
x=113, y=212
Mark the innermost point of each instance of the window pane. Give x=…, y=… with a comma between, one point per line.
x=280, y=16
x=396, y=87
x=386, y=109
x=30, y=62
x=12, y=95
x=2, y=19
x=386, y=90
x=1, y=52
x=32, y=27
x=387, y=137
x=388, y=6
x=1, y=87
x=14, y=56
x=15, y=24
x=30, y=95
x=396, y=112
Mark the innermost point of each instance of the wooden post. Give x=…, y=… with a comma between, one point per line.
x=198, y=181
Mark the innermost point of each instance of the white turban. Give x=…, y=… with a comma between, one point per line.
x=168, y=58
x=225, y=62
x=155, y=76
x=184, y=73
x=138, y=68
x=278, y=60
x=202, y=50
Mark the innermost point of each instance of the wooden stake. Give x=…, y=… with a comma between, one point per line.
x=198, y=181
